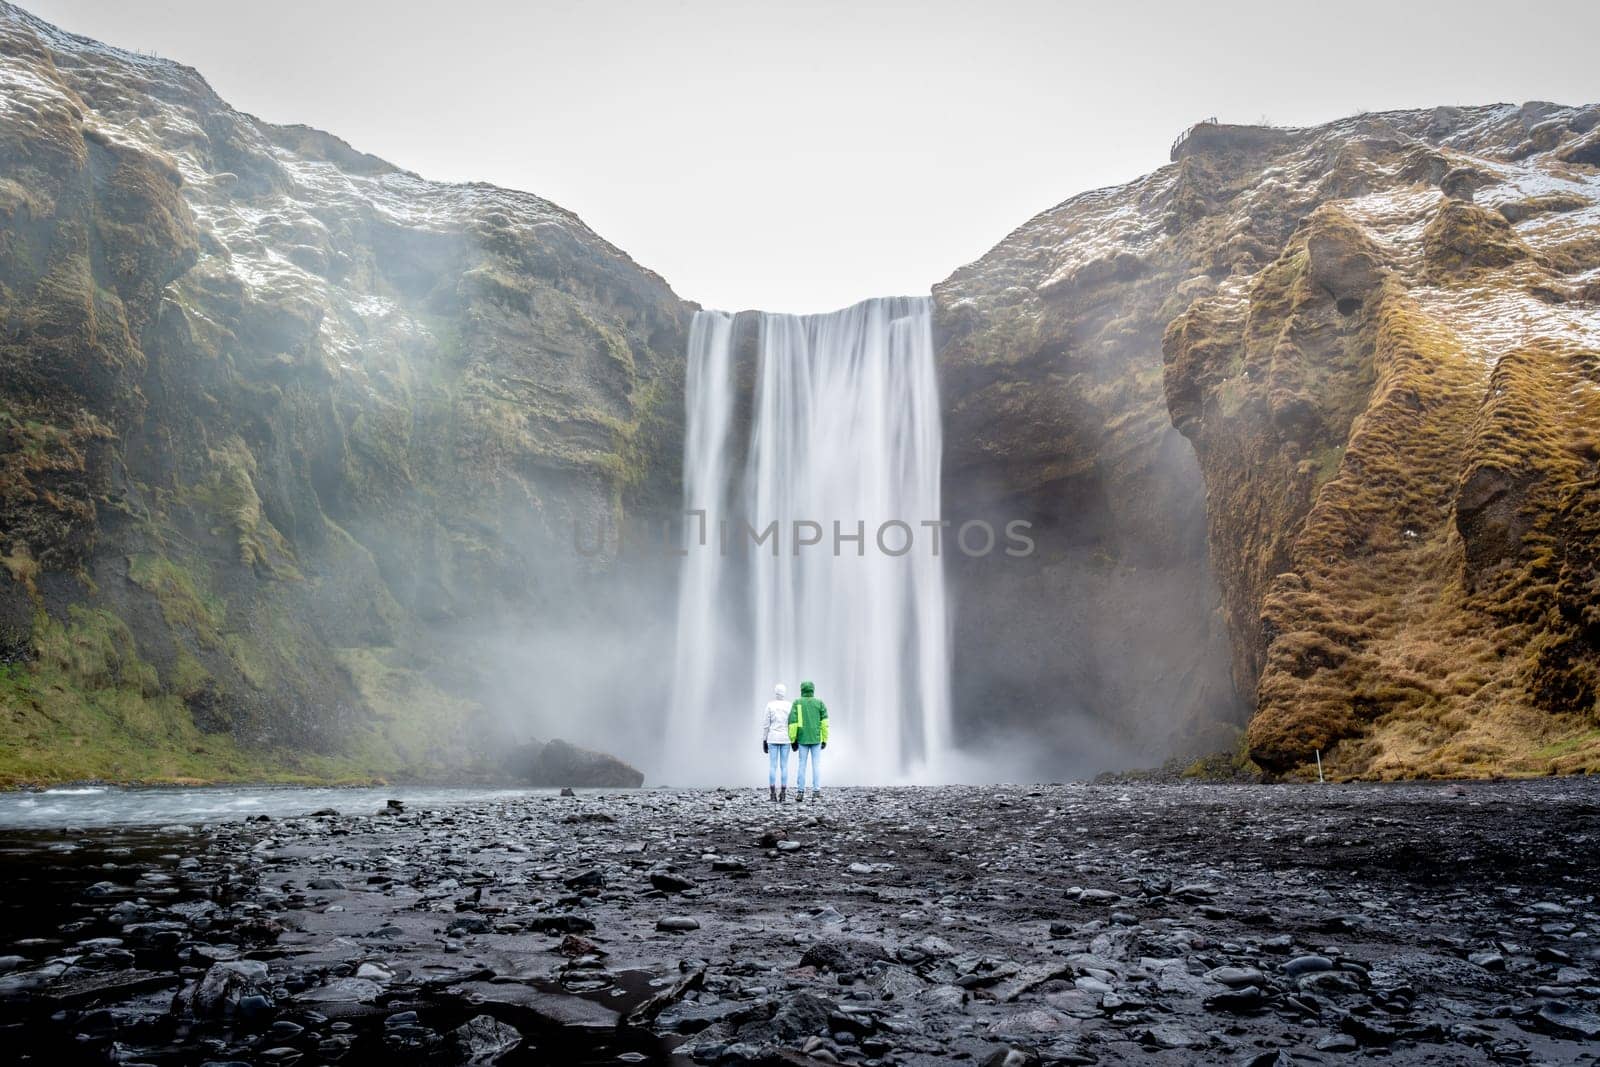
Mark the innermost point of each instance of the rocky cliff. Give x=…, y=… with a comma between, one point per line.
x=1382, y=337
x=1106, y=644
x=293, y=443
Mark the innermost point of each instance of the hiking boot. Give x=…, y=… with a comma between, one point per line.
x=783, y=794
x=799, y=796
x=772, y=790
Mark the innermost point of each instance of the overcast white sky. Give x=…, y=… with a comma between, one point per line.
x=801, y=156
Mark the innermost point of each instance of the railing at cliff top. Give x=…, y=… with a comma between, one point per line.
x=1184, y=136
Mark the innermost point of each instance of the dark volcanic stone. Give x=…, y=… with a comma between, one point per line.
x=798, y=1017
x=558, y=763
x=559, y=924
x=484, y=1039
x=594, y=879
x=1307, y=965
x=1559, y=1017
x=540, y=1008
x=670, y=883
x=844, y=954
x=219, y=991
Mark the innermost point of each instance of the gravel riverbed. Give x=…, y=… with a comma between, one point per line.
x=1069, y=924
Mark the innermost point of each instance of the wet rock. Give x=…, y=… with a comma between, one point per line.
x=113, y=985
x=537, y=1008
x=342, y=991
x=1243, y=999
x=1029, y=1023
x=1171, y=1036
x=588, y=817
x=944, y=997
x=677, y=923
x=844, y=954
x=1236, y=976
x=483, y=1039
x=797, y=1017
x=1328, y=983
x=1307, y=964
x=591, y=879
x=573, y=945
x=1559, y=1017
x=559, y=924
x=219, y=990
x=645, y=1012
x=667, y=882
x=1101, y=897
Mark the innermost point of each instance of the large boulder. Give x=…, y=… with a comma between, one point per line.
x=558, y=763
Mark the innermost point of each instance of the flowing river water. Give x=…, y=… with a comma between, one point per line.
x=97, y=806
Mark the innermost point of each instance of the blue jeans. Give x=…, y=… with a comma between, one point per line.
x=808, y=754
x=777, y=763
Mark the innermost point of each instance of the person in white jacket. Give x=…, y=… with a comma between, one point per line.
x=775, y=742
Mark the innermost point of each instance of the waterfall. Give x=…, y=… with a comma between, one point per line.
x=841, y=427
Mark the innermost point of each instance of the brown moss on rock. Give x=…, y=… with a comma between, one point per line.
x=1398, y=477
x=1415, y=633
x=1266, y=385
x=1337, y=656
x=1464, y=239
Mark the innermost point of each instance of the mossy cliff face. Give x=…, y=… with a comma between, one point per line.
x=1381, y=337
x=286, y=431
x=1396, y=413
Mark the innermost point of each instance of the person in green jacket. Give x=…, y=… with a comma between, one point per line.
x=808, y=735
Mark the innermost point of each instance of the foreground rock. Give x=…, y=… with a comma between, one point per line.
x=1001, y=925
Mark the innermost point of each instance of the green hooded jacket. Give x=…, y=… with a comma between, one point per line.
x=808, y=718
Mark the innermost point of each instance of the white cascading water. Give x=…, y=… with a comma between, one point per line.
x=843, y=427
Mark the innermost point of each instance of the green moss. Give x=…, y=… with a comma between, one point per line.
x=612, y=341
x=1569, y=745
x=182, y=603
x=1465, y=240
x=416, y=727
x=230, y=494
x=87, y=707
x=510, y=291
x=1234, y=765
x=383, y=435
x=1325, y=463
x=250, y=658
